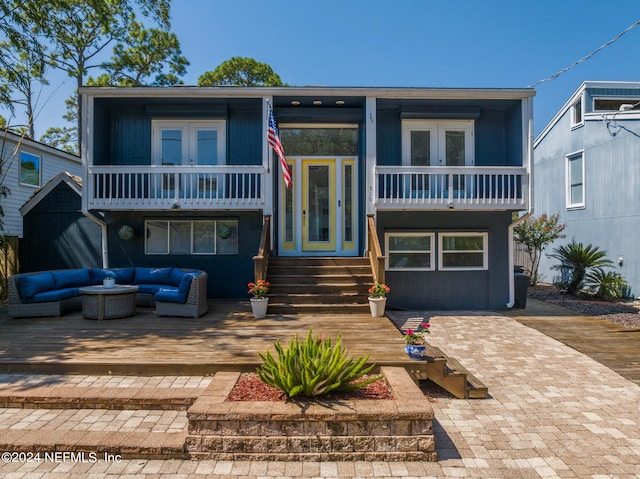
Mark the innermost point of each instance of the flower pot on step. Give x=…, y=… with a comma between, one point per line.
x=377, y=306
x=259, y=307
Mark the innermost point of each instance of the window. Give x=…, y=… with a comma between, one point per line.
x=463, y=251
x=409, y=251
x=192, y=237
x=575, y=180
x=616, y=104
x=189, y=142
x=29, y=169
x=576, y=113
x=437, y=143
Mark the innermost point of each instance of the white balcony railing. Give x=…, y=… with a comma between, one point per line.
x=401, y=187
x=162, y=187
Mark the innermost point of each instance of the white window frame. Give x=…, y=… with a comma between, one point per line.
x=189, y=130
x=39, y=157
x=438, y=129
x=623, y=100
x=430, y=253
x=442, y=252
x=574, y=111
x=191, y=240
x=569, y=181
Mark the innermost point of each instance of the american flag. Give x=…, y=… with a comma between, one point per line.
x=273, y=138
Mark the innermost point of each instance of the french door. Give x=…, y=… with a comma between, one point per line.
x=318, y=214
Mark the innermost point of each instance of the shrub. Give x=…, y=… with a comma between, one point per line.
x=578, y=259
x=314, y=367
x=606, y=284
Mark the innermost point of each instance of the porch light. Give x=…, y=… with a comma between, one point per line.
x=295, y=102
x=340, y=102
x=317, y=102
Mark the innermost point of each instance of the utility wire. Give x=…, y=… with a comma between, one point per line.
x=585, y=58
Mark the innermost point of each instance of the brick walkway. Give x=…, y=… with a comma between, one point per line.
x=553, y=412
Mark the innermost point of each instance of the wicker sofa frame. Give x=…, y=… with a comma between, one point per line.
x=195, y=306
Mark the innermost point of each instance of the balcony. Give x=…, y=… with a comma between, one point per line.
x=163, y=187
x=478, y=188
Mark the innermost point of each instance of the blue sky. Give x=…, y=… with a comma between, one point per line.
x=407, y=43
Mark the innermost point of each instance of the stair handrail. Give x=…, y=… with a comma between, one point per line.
x=374, y=251
x=261, y=260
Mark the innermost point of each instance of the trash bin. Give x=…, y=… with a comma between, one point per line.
x=521, y=285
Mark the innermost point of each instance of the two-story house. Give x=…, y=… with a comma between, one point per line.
x=588, y=171
x=433, y=175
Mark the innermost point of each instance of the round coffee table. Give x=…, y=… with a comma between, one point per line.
x=101, y=303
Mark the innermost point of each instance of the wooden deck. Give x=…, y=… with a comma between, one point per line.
x=228, y=337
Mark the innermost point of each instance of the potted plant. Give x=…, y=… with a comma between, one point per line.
x=416, y=346
x=259, y=301
x=109, y=282
x=378, y=299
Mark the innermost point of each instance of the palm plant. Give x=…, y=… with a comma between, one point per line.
x=578, y=259
x=606, y=284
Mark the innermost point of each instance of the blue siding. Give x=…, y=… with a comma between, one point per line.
x=228, y=274
x=610, y=218
x=498, y=127
x=451, y=289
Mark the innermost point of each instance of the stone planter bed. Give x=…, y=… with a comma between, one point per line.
x=398, y=429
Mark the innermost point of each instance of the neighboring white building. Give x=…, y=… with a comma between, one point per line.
x=26, y=166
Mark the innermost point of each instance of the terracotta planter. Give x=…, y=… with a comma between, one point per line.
x=259, y=307
x=377, y=305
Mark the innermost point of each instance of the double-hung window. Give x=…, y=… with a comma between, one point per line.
x=575, y=180
x=409, y=251
x=463, y=251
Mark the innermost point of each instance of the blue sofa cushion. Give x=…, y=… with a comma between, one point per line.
x=171, y=295
x=149, y=288
x=177, y=274
x=185, y=284
x=121, y=275
x=153, y=275
x=54, y=295
x=32, y=284
x=71, y=278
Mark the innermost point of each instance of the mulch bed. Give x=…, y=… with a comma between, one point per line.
x=625, y=312
x=251, y=388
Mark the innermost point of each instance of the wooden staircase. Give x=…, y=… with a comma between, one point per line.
x=309, y=285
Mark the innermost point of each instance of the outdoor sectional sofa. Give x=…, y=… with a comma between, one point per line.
x=173, y=291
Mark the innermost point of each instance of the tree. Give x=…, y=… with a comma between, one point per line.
x=144, y=53
x=22, y=70
x=240, y=71
x=535, y=234
x=577, y=259
x=77, y=31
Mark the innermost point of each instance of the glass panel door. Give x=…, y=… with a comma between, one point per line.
x=319, y=205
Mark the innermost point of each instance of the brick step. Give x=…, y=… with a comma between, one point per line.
x=74, y=397
x=94, y=446
x=94, y=435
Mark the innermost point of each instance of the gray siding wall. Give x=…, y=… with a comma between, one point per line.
x=451, y=289
x=611, y=216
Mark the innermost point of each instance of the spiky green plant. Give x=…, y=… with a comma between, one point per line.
x=606, y=284
x=578, y=259
x=314, y=367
